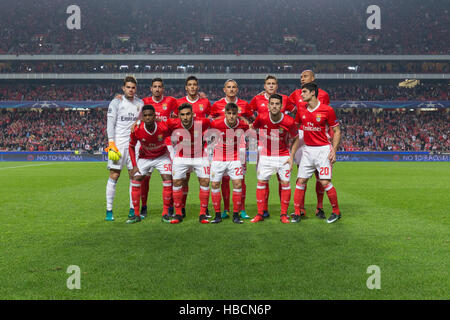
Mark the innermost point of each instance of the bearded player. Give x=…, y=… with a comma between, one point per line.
x=122, y=113
x=190, y=155
x=201, y=108
x=318, y=154
x=276, y=131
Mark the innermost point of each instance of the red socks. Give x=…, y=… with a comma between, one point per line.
x=285, y=197
x=237, y=198
x=136, y=195
x=226, y=192
x=178, y=199
x=299, y=198
x=204, y=199
x=144, y=190
x=216, y=198
x=261, y=197
x=332, y=196
x=185, y=193
x=167, y=196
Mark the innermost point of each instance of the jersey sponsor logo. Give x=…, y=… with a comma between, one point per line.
x=129, y=118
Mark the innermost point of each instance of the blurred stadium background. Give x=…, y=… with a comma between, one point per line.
x=67, y=77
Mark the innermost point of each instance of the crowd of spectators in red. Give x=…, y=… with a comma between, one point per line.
x=362, y=130
x=219, y=27
x=338, y=91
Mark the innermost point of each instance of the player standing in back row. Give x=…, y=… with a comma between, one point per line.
x=318, y=154
x=122, y=113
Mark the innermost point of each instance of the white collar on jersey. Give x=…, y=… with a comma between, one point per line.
x=281, y=119
x=265, y=96
x=162, y=98
x=190, y=101
x=154, y=131
x=314, y=108
x=225, y=121
x=226, y=100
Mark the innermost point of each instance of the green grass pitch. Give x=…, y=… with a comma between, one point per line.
x=395, y=216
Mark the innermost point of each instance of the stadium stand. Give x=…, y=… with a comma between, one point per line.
x=205, y=27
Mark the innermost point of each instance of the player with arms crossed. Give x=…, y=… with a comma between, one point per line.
x=276, y=131
x=318, y=154
x=122, y=113
x=231, y=90
x=260, y=105
x=153, y=154
x=228, y=158
x=190, y=155
x=201, y=107
x=307, y=76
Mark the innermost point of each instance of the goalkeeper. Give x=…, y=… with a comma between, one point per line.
x=122, y=113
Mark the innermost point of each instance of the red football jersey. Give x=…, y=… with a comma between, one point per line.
x=296, y=97
x=152, y=143
x=260, y=104
x=232, y=139
x=218, y=108
x=200, y=107
x=163, y=107
x=188, y=142
x=274, y=136
x=314, y=124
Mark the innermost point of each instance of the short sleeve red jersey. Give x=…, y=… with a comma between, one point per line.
x=232, y=139
x=200, y=107
x=163, y=109
x=314, y=124
x=152, y=143
x=274, y=136
x=296, y=97
x=260, y=104
x=218, y=108
x=188, y=142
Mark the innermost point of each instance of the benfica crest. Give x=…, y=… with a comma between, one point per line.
x=200, y=107
x=318, y=117
x=160, y=137
x=164, y=106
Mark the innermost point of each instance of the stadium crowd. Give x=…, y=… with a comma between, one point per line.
x=219, y=27
x=362, y=130
x=338, y=91
x=221, y=67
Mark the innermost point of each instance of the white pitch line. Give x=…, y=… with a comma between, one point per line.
x=31, y=165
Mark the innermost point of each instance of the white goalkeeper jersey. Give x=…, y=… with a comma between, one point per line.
x=121, y=116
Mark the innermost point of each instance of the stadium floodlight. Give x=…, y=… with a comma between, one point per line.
x=123, y=66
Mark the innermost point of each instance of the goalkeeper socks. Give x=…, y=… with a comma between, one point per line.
x=237, y=198
x=226, y=192
x=136, y=195
x=178, y=199
x=167, y=196
x=261, y=191
x=332, y=196
x=144, y=190
x=204, y=199
x=110, y=193
x=285, y=197
x=216, y=197
x=299, y=198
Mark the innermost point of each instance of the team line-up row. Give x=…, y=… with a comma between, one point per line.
x=304, y=140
